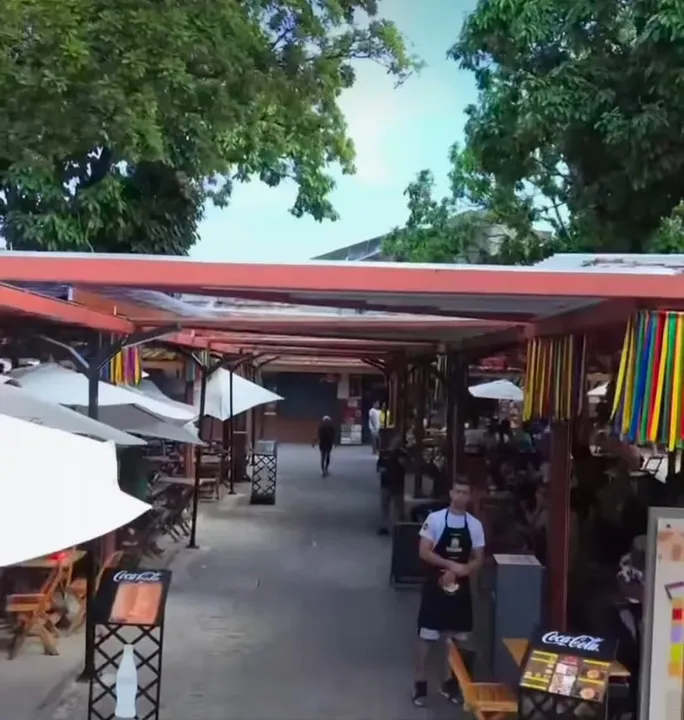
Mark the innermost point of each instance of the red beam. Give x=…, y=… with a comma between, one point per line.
x=369, y=279
x=22, y=302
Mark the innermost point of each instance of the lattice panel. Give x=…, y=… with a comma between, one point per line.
x=264, y=472
x=147, y=643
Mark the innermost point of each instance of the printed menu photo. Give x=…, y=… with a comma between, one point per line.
x=539, y=670
x=136, y=603
x=566, y=675
x=592, y=680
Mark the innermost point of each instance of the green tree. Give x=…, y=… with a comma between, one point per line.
x=119, y=119
x=474, y=223
x=578, y=120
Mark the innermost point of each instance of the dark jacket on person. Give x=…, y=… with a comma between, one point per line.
x=393, y=470
x=326, y=435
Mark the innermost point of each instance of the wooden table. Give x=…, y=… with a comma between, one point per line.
x=517, y=647
x=66, y=558
x=185, y=481
x=35, y=612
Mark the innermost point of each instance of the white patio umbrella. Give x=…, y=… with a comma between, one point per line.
x=246, y=395
x=67, y=387
x=134, y=419
x=59, y=490
x=151, y=390
x=497, y=390
x=17, y=403
x=599, y=391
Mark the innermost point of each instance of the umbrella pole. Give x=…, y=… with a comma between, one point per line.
x=92, y=548
x=204, y=371
x=231, y=491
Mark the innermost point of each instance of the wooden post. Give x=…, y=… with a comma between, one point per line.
x=402, y=400
x=558, y=527
x=459, y=379
x=419, y=430
x=189, y=373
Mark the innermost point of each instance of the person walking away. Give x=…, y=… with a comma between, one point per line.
x=326, y=441
x=392, y=475
x=452, y=546
x=374, y=426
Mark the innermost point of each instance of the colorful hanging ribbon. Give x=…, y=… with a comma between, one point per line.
x=648, y=405
x=125, y=368
x=554, y=378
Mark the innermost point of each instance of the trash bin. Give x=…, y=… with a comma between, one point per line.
x=264, y=471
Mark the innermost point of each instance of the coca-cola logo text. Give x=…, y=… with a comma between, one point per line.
x=588, y=643
x=137, y=577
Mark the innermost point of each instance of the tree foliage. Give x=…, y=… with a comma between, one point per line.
x=466, y=225
x=578, y=120
x=118, y=119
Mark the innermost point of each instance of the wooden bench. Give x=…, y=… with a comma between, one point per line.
x=486, y=701
x=79, y=589
x=30, y=613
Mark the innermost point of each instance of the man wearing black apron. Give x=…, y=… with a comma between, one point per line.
x=452, y=546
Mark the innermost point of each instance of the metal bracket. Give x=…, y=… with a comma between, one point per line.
x=78, y=358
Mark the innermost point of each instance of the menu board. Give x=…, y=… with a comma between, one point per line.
x=134, y=597
x=567, y=675
x=136, y=603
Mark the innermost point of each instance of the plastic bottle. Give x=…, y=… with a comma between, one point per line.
x=126, y=686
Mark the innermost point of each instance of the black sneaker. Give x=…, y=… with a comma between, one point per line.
x=419, y=694
x=452, y=692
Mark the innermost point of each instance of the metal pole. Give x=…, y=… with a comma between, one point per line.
x=192, y=545
x=419, y=430
x=252, y=428
x=451, y=422
x=231, y=491
x=93, y=546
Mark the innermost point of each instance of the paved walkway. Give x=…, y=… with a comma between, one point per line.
x=285, y=612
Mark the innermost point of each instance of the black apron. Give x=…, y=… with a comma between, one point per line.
x=439, y=610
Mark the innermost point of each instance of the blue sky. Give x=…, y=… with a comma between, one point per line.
x=397, y=132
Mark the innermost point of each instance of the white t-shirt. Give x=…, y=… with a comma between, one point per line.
x=374, y=419
x=433, y=527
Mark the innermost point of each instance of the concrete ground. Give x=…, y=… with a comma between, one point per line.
x=285, y=612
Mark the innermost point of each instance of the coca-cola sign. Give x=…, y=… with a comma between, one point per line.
x=581, y=645
x=143, y=576
x=588, y=643
x=118, y=583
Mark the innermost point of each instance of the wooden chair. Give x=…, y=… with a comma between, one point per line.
x=79, y=589
x=30, y=613
x=486, y=701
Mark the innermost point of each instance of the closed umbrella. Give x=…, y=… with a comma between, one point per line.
x=60, y=489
